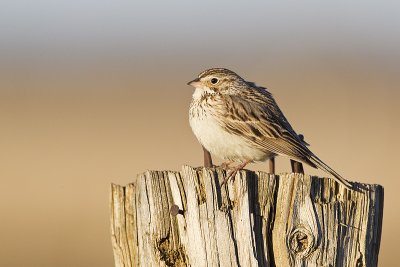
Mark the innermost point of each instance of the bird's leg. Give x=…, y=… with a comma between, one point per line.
x=271, y=164
x=207, y=158
x=300, y=168
x=297, y=167
x=234, y=170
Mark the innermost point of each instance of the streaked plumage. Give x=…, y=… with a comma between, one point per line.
x=239, y=121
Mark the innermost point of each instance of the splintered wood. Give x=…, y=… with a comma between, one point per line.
x=256, y=219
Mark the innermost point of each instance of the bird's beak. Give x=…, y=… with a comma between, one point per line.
x=195, y=83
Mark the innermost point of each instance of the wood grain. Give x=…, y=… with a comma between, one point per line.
x=258, y=219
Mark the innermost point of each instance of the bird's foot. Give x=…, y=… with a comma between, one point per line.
x=225, y=165
x=234, y=170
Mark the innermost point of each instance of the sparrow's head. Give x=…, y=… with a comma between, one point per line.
x=216, y=79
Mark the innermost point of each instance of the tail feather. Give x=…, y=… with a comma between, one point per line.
x=321, y=165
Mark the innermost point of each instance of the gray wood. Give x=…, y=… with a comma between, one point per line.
x=257, y=219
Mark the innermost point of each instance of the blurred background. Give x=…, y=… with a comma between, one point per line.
x=94, y=92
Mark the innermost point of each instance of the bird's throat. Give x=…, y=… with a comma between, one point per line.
x=199, y=92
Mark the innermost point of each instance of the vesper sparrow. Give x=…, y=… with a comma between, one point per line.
x=240, y=122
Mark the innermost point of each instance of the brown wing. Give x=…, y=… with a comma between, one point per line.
x=256, y=117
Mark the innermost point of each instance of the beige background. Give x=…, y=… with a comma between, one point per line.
x=93, y=93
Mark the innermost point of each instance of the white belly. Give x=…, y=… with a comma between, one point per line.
x=221, y=143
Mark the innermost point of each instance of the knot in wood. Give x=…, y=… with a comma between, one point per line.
x=175, y=210
x=301, y=241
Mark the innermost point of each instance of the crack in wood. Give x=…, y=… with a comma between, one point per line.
x=257, y=219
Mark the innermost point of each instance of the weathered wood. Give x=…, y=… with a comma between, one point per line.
x=257, y=219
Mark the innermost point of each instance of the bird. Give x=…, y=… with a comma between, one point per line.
x=240, y=122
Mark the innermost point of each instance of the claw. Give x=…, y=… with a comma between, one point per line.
x=234, y=170
x=225, y=165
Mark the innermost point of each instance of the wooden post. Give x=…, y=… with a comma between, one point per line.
x=185, y=218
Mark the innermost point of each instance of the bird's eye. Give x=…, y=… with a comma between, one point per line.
x=214, y=80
